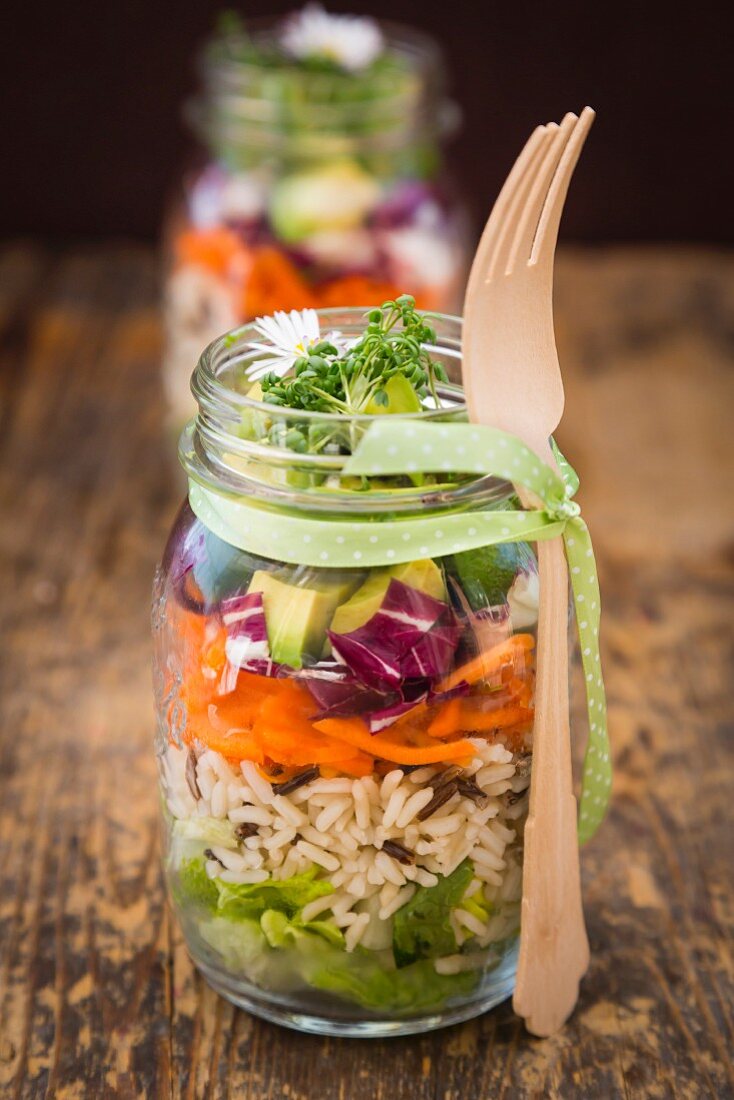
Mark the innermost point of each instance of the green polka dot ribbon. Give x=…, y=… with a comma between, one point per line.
x=392, y=446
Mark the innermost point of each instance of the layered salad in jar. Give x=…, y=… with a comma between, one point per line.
x=345, y=753
x=323, y=185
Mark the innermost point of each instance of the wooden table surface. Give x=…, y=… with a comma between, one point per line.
x=97, y=996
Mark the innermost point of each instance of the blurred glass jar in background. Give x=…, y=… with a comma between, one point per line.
x=323, y=182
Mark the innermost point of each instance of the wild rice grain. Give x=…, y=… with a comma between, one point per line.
x=441, y=796
x=469, y=789
x=191, y=774
x=297, y=781
x=398, y=851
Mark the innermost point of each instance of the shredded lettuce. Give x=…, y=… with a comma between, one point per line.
x=282, y=932
x=413, y=989
x=248, y=901
x=257, y=931
x=245, y=902
x=285, y=956
x=192, y=884
x=209, y=830
x=422, y=929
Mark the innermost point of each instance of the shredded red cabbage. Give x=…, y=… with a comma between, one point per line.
x=247, y=635
x=410, y=636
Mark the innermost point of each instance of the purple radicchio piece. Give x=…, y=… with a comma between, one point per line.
x=375, y=651
x=338, y=692
x=247, y=635
x=432, y=655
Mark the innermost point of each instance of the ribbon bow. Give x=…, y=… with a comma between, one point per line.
x=392, y=446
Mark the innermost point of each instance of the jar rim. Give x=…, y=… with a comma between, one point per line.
x=216, y=456
x=238, y=108
x=206, y=385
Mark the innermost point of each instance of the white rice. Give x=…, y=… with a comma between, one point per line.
x=341, y=826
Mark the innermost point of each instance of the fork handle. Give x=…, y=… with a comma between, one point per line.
x=554, y=949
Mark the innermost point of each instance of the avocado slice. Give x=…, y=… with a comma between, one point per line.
x=298, y=610
x=401, y=398
x=337, y=196
x=423, y=574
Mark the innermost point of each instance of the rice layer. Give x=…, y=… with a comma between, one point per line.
x=370, y=837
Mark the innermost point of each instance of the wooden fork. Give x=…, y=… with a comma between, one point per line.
x=512, y=380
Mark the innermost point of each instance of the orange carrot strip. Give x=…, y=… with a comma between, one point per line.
x=354, y=732
x=474, y=719
x=215, y=249
x=357, y=765
x=486, y=663
x=235, y=744
x=447, y=721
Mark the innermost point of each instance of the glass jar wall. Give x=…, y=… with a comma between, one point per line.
x=344, y=752
x=321, y=185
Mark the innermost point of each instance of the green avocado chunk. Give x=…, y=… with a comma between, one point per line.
x=337, y=196
x=423, y=574
x=486, y=574
x=401, y=398
x=298, y=610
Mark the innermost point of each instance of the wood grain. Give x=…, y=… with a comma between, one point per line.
x=97, y=996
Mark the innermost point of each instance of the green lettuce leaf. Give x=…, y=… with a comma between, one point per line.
x=414, y=989
x=256, y=931
x=192, y=884
x=282, y=932
x=422, y=929
x=247, y=902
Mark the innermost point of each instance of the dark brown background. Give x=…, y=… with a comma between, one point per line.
x=92, y=93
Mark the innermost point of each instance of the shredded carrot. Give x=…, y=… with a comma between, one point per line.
x=274, y=283
x=358, y=290
x=354, y=732
x=473, y=718
x=485, y=664
x=447, y=721
x=219, y=250
x=357, y=765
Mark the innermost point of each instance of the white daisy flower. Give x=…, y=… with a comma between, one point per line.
x=290, y=336
x=351, y=41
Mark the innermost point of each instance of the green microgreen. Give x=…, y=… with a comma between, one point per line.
x=392, y=344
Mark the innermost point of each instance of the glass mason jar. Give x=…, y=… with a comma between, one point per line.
x=318, y=188
x=361, y=886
